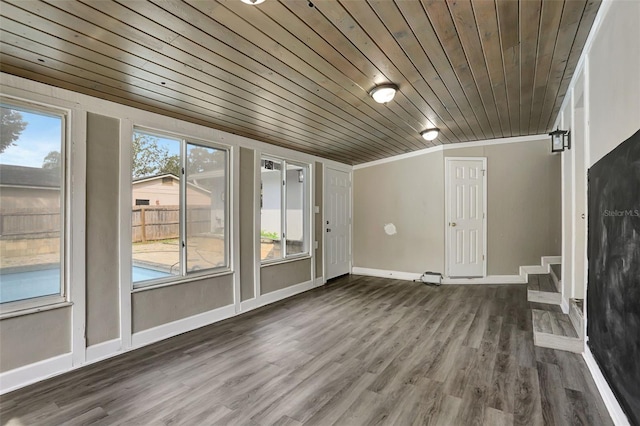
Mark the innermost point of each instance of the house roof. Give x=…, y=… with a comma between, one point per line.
x=34, y=177
x=298, y=74
x=154, y=177
x=193, y=185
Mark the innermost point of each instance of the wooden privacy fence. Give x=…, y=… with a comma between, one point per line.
x=21, y=224
x=149, y=223
x=153, y=223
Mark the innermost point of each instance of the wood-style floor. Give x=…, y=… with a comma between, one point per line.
x=360, y=350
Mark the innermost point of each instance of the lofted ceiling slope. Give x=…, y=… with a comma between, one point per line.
x=297, y=74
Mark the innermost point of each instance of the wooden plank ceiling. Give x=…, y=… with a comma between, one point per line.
x=297, y=74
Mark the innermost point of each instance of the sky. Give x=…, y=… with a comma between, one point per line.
x=171, y=145
x=41, y=136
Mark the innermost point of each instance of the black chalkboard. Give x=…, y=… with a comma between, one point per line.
x=613, y=289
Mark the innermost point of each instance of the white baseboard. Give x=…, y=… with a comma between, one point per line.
x=534, y=269
x=551, y=260
x=36, y=372
x=164, y=331
x=32, y=373
x=103, y=350
x=411, y=276
x=489, y=279
x=277, y=295
x=610, y=400
x=408, y=276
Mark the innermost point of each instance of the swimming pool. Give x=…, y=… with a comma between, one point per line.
x=29, y=284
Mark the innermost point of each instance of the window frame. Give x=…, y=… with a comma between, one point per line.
x=17, y=307
x=186, y=276
x=306, y=209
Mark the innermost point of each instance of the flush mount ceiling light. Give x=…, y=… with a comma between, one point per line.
x=430, y=134
x=252, y=2
x=383, y=93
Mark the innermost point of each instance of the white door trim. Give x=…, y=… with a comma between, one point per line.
x=447, y=162
x=325, y=204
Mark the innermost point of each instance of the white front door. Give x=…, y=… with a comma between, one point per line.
x=337, y=226
x=465, y=216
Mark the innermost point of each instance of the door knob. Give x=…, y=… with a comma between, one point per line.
x=452, y=224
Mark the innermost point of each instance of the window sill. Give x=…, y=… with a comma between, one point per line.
x=286, y=260
x=33, y=307
x=184, y=280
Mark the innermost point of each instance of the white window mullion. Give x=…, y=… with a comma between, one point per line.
x=283, y=208
x=183, y=208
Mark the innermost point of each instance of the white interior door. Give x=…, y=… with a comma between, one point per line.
x=337, y=225
x=465, y=216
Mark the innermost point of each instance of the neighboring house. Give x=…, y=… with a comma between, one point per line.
x=29, y=188
x=29, y=213
x=164, y=190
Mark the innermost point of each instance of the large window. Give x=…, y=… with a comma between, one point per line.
x=32, y=142
x=284, y=200
x=179, y=208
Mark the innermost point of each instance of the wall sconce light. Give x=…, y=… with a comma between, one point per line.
x=560, y=139
x=430, y=134
x=383, y=93
x=252, y=2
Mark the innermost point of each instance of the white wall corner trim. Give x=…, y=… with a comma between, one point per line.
x=565, y=305
x=32, y=373
x=278, y=295
x=103, y=350
x=610, y=401
x=174, y=328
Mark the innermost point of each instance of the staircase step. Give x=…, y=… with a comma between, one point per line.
x=555, y=269
x=576, y=314
x=542, y=289
x=554, y=330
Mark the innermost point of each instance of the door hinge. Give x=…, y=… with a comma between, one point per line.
x=483, y=171
x=483, y=257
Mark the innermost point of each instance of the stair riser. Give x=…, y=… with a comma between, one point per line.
x=557, y=282
x=544, y=297
x=570, y=344
x=576, y=319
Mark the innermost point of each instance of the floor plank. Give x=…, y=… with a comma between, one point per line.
x=359, y=350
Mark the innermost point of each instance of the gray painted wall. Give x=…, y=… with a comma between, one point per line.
x=282, y=275
x=35, y=337
x=410, y=194
x=319, y=226
x=103, y=153
x=163, y=305
x=524, y=211
x=247, y=224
